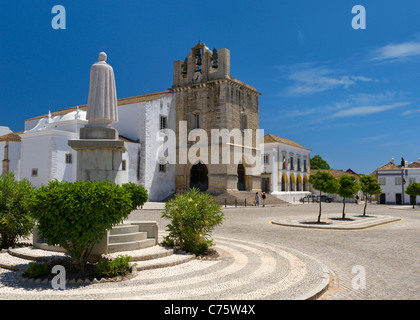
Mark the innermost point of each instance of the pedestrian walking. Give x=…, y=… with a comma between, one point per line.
x=357, y=199
x=257, y=200
x=263, y=199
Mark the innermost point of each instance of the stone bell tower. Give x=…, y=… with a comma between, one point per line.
x=209, y=98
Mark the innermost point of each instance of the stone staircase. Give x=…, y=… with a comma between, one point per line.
x=242, y=198
x=138, y=239
x=127, y=237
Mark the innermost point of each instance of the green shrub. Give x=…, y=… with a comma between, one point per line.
x=15, y=219
x=120, y=266
x=193, y=215
x=36, y=270
x=139, y=194
x=76, y=215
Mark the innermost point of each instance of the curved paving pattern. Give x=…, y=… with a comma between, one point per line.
x=244, y=270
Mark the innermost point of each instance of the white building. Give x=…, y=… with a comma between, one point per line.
x=205, y=95
x=394, y=179
x=285, y=171
x=41, y=153
x=4, y=130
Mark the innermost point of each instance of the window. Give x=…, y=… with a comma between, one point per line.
x=291, y=164
x=124, y=165
x=411, y=180
x=196, y=121
x=305, y=169
x=382, y=181
x=284, y=162
x=398, y=181
x=34, y=173
x=298, y=164
x=163, y=121
x=244, y=122
x=162, y=167
x=266, y=157
x=69, y=158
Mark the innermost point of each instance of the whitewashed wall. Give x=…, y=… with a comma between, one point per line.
x=141, y=121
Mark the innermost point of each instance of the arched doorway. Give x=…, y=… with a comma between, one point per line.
x=199, y=177
x=292, y=183
x=283, y=182
x=298, y=183
x=305, y=183
x=241, y=177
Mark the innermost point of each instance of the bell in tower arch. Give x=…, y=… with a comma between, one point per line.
x=215, y=59
x=198, y=57
x=185, y=66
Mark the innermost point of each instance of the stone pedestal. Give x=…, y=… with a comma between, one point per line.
x=99, y=154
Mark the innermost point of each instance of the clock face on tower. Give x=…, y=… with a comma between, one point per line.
x=197, y=77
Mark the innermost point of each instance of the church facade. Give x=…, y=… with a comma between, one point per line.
x=205, y=101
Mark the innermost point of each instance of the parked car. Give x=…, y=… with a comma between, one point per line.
x=308, y=198
x=324, y=198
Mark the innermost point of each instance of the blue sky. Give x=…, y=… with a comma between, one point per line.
x=351, y=96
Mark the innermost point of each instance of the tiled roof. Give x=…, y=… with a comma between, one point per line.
x=389, y=166
x=270, y=138
x=127, y=139
x=120, y=102
x=415, y=164
x=13, y=136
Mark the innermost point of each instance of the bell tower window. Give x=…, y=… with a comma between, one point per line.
x=196, y=120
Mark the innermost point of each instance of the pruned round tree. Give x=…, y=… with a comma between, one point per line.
x=413, y=190
x=348, y=187
x=323, y=182
x=369, y=186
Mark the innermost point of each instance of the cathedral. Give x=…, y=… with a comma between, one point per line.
x=203, y=99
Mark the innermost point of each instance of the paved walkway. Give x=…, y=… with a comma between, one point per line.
x=245, y=270
x=257, y=260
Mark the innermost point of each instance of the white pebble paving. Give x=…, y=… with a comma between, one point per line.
x=245, y=270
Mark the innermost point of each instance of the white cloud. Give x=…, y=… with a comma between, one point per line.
x=410, y=112
x=367, y=110
x=375, y=138
x=397, y=51
x=309, y=79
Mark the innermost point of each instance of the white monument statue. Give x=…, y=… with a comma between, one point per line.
x=102, y=101
x=99, y=149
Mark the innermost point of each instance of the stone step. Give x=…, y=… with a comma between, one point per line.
x=10, y=262
x=128, y=246
x=168, y=261
x=129, y=237
x=239, y=198
x=35, y=254
x=124, y=229
x=154, y=252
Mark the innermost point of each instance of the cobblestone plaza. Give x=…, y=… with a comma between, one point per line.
x=262, y=260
